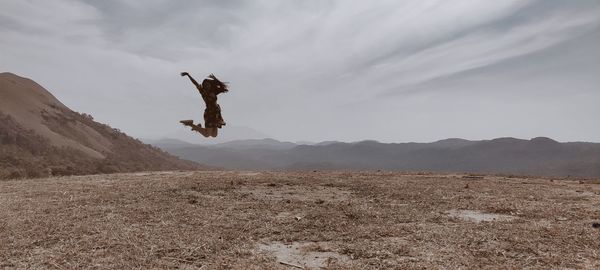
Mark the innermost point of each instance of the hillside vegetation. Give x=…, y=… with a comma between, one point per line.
x=39, y=136
x=25, y=154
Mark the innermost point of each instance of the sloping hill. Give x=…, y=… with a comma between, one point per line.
x=40, y=136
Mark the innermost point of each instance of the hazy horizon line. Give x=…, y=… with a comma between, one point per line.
x=303, y=142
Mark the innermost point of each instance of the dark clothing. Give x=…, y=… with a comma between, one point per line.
x=212, y=113
x=213, y=118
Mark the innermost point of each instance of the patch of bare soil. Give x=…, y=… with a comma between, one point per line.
x=249, y=173
x=274, y=191
x=277, y=220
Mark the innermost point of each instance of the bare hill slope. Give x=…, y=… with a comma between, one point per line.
x=40, y=136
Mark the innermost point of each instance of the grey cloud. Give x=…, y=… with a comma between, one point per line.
x=152, y=29
x=315, y=70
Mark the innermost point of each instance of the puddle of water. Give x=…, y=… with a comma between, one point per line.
x=478, y=216
x=309, y=255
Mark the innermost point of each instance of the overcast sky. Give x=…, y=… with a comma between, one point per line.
x=393, y=71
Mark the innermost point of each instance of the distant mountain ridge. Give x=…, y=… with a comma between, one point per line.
x=40, y=136
x=538, y=156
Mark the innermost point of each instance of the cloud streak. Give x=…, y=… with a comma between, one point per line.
x=310, y=70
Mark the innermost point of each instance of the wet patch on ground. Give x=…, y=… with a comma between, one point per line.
x=304, y=255
x=478, y=216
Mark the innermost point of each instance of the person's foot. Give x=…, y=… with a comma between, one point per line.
x=187, y=122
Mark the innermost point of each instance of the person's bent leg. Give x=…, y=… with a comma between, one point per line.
x=214, y=132
x=204, y=131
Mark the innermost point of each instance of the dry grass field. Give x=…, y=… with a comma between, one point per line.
x=311, y=220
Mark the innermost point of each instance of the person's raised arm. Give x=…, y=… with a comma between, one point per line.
x=199, y=86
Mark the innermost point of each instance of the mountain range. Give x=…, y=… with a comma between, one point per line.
x=538, y=156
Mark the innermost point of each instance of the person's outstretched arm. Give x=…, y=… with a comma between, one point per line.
x=199, y=86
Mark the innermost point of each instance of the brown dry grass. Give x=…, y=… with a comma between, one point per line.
x=216, y=220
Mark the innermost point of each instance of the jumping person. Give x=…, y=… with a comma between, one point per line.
x=209, y=89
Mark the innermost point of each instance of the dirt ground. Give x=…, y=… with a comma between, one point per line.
x=311, y=220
